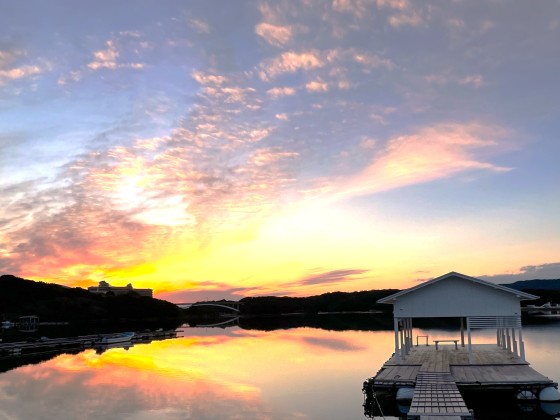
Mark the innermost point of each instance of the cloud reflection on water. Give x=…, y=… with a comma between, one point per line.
x=242, y=375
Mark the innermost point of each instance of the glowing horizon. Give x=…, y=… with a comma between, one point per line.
x=292, y=147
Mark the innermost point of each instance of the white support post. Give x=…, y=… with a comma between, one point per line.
x=397, y=351
x=469, y=339
x=462, y=332
x=408, y=335
x=403, y=349
x=503, y=338
x=405, y=336
x=514, y=342
x=521, y=345
x=411, y=334
x=498, y=333
x=508, y=340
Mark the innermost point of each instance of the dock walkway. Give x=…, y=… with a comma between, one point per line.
x=436, y=396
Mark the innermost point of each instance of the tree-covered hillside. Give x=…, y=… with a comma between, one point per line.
x=328, y=302
x=52, y=302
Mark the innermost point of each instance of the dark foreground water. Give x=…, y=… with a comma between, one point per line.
x=233, y=373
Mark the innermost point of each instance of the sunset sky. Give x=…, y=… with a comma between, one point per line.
x=221, y=149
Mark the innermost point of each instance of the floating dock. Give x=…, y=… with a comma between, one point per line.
x=434, y=379
x=439, y=377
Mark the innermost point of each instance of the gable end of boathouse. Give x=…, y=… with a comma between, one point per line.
x=456, y=295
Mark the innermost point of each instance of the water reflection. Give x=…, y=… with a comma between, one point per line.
x=205, y=373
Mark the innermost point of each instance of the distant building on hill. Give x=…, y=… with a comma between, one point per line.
x=105, y=288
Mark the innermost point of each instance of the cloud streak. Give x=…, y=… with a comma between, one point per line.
x=430, y=154
x=528, y=272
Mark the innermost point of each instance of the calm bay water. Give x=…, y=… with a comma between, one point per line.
x=234, y=373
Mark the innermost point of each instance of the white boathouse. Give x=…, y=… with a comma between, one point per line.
x=478, y=304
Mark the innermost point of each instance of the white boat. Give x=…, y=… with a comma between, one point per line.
x=547, y=305
x=117, y=338
x=101, y=348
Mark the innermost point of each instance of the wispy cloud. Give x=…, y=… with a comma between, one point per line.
x=317, y=278
x=19, y=72
x=196, y=291
x=330, y=277
x=528, y=272
x=447, y=77
x=475, y=80
x=11, y=70
x=317, y=86
x=279, y=92
x=107, y=59
x=430, y=154
x=200, y=26
x=357, y=8
x=289, y=62
x=405, y=19
x=403, y=13
x=275, y=35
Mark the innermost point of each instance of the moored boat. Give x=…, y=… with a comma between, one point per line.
x=117, y=338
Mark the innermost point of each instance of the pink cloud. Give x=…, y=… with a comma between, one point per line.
x=290, y=62
x=275, y=35
x=279, y=92
x=20, y=72
x=107, y=59
x=317, y=86
x=432, y=153
x=405, y=19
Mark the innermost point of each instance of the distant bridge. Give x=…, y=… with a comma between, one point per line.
x=231, y=305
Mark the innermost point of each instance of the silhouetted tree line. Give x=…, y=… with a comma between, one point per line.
x=328, y=302
x=52, y=302
x=544, y=296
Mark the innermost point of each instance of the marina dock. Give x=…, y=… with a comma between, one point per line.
x=59, y=345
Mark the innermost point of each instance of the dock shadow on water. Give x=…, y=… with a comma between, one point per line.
x=268, y=368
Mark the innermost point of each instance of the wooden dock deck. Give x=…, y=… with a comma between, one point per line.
x=491, y=367
x=440, y=376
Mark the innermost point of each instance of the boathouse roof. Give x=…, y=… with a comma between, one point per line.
x=455, y=294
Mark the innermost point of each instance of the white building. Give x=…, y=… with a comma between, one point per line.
x=105, y=288
x=478, y=304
